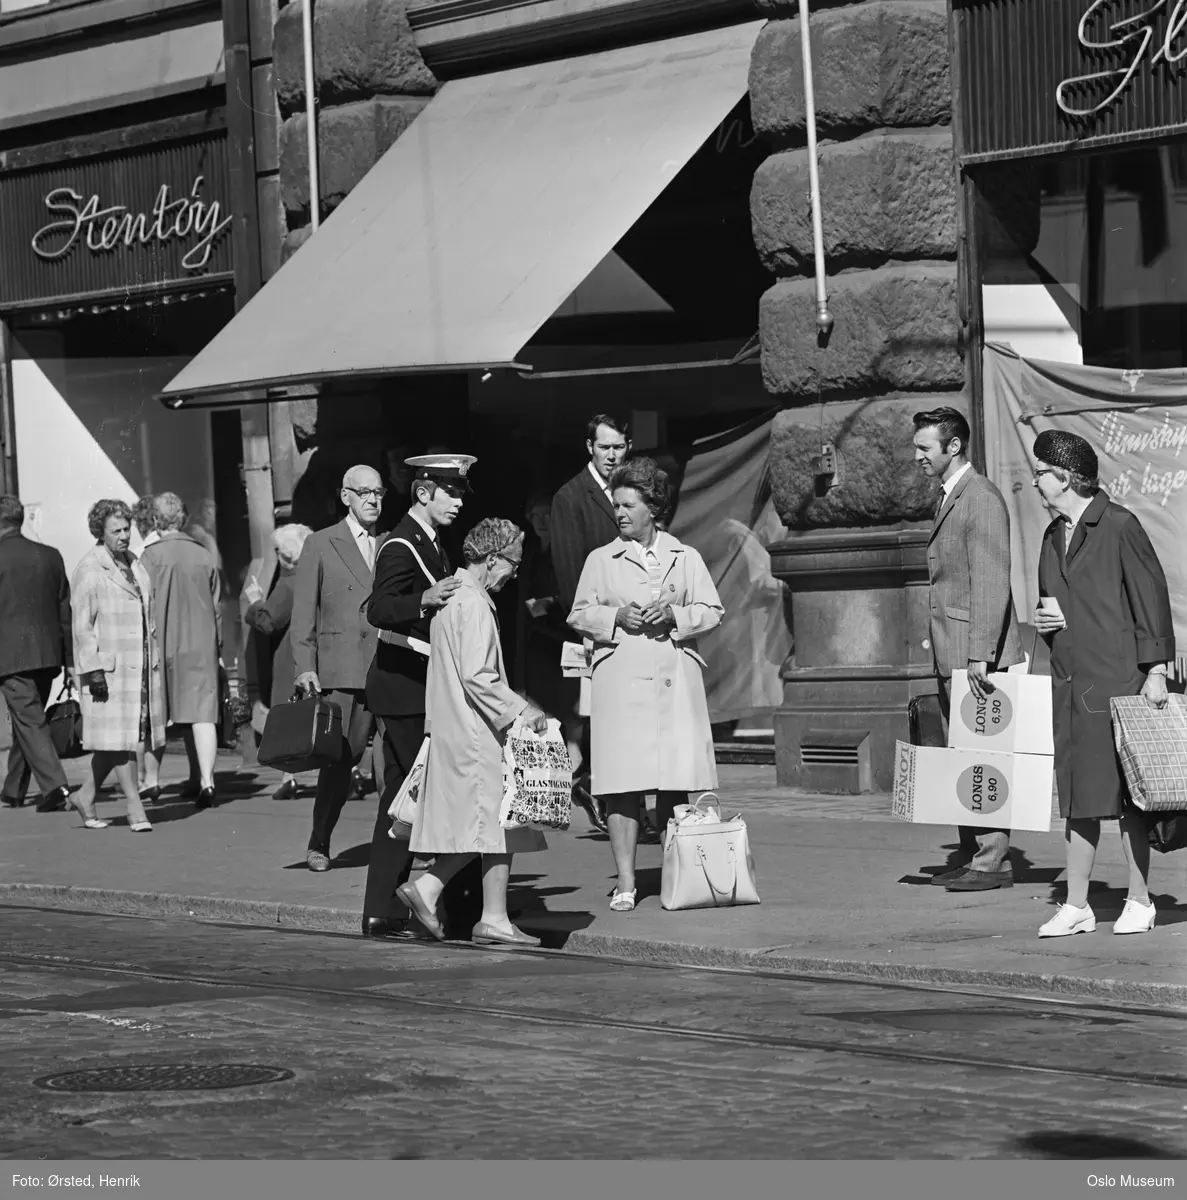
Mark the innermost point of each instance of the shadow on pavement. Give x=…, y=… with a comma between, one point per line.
x=1083, y=1145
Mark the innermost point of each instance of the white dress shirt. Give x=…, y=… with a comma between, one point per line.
x=364, y=540
x=601, y=482
x=950, y=482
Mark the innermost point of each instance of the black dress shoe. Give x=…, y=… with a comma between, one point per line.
x=55, y=801
x=10, y=802
x=944, y=878
x=383, y=927
x=150, y=795
x=982, y=881
x=286, y=791
x=205, y=798
x=360, y=783
x=590, y=806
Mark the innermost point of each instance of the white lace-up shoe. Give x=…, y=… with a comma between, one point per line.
x=1135, y=917
x=1069, y=920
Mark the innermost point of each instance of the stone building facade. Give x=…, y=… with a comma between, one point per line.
x=854, y=559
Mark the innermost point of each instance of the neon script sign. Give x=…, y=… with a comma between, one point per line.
x=103, y=229
x=1135, y=35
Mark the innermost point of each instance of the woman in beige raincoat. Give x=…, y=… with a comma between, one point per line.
x=469, y=708
x=644, y=600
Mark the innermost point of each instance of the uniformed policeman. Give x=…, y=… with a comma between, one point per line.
x=413, y=578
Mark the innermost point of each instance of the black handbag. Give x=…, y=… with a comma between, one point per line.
x=925, y=721
x=1167, y=831
x=64, y=717
x=303, y=735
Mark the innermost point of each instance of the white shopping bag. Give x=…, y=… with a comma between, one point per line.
x=406, y=802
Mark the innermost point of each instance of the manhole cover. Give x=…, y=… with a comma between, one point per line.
x=171, y=1078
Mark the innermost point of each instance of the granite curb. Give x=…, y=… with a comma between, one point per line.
x=315, y=919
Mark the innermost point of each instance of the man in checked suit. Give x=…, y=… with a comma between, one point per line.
x=332, y=643
x=583, y=520
x=413, y=579
x=973, y=626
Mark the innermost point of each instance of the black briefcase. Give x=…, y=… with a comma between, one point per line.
x=64, y=718
x=925, y=721
x=303, y=735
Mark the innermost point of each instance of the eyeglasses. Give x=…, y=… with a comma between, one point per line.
x=515, y=562
x=1043, y=471
x=368, y=493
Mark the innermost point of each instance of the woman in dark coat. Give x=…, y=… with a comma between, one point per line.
x=187, y=596
x=1105, y=611
x=272, y=617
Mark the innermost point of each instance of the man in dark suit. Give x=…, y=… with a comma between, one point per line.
x=333, y=644
x=412, y=579
x=582, y=520
x=972, y=622
x=35, y=644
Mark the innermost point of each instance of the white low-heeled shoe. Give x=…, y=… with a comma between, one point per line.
x=1069, y=920
x=1135, y=917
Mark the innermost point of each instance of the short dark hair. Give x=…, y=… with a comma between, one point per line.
x=650, y=480
x=949, y=423
x=12, y=512
x=101, y=512
x=615, y=423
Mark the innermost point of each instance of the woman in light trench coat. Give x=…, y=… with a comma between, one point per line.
x=469, y=708
x=644, y=600
x=117, y=662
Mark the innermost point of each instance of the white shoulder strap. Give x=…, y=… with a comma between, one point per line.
x=420, y=562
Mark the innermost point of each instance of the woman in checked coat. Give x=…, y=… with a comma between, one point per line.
x=116, y=660
x=644, y=600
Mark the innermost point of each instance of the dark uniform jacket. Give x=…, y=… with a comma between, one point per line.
x=35, y=622
x=582, y=520
x=1112, y=590
x=396, y=680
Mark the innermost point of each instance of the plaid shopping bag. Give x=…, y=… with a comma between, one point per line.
x=1152, y=746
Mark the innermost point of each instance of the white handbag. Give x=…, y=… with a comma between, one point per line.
x=406, y=802
x=707, y=861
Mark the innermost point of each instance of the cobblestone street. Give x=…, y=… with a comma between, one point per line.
x=423, y=1051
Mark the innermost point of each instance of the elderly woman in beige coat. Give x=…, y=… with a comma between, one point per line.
x=644, y=600
x=117, y=662
x=469, y=709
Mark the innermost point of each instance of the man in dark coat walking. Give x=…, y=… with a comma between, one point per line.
x=413, y=579
x=582, y=521
x=973, y=626
x=36, y=644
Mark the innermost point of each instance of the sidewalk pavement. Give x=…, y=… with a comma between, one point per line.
x=844, y=888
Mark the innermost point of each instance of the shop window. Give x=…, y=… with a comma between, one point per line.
x=1083, y=257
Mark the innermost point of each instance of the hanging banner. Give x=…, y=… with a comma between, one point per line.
x=724, y=510
x=1136, y=422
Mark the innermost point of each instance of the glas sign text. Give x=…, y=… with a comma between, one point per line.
x=103, y=229
x=1154, y=35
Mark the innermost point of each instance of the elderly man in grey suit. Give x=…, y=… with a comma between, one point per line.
x=333, y=643
x=973, y=626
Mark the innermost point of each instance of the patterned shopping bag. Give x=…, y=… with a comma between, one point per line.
x=1152, y=746
x=537, y=778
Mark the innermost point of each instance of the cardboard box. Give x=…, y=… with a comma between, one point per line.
x=934, y=786
x=1015, y=717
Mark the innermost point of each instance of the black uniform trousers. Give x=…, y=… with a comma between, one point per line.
x=391, y=860
x=32, y=750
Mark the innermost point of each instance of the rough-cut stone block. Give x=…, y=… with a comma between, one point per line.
x=361, y=48
x=882, y=196
x=351, y=139
x=293, y=241
x=897, y=327
x=883, y=63
x=880, y=483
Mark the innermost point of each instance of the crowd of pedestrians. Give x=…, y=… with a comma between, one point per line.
x=382, y=625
